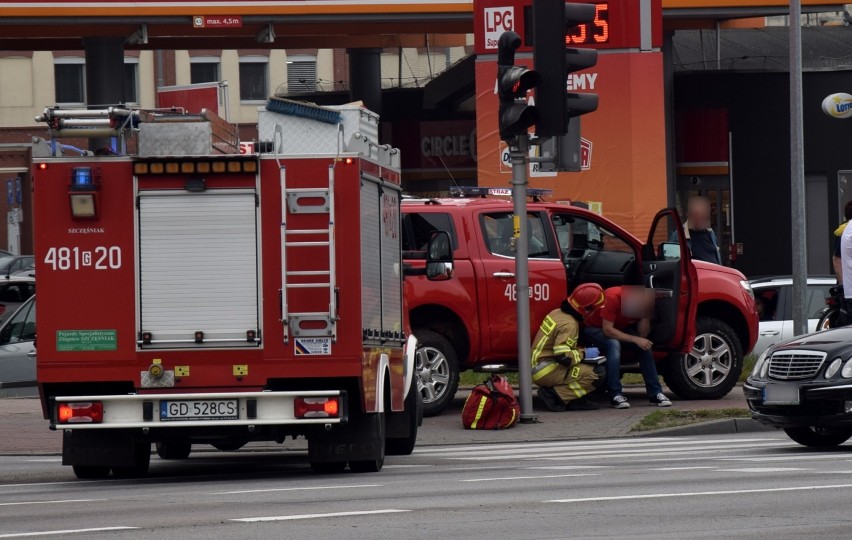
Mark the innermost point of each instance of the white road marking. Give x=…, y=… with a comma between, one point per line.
x=67, y=531
x=21, y=503
x=304, y=488
x=39, y=484
x=317, y=516
x=566, y=467
x=606, y=454
x=538, y=449
x=793, y=457
x=527, y=477
x=682, y=468
x=699, y=493
x=407, y=466
x=45, y=460
x=763, y=469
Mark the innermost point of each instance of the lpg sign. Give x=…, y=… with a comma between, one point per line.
x=838, y=105
x=497, y=21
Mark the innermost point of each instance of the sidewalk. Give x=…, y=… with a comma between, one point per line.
x=25, y=432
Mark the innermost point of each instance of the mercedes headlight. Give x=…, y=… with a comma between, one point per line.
x=763, y=359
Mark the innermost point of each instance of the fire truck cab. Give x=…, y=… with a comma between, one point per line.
x=193, y=295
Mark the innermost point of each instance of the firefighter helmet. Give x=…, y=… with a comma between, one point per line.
x=587, y=298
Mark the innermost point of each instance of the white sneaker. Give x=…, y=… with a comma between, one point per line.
x=620, y=402
x=660, y=400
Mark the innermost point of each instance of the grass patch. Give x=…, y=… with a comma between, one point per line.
x=472, y=378
x=674, y=417
x=748, y=365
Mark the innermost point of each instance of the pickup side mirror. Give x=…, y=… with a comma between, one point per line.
x=439, y=257
x=670, y=251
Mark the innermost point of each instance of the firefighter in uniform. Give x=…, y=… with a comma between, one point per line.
x=564, y=380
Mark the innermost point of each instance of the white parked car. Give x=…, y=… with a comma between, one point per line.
x=773, y=296
x=17, y=352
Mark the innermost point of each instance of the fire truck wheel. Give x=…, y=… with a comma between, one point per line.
x=90, y=472
x=141, y=458
x=174, y=449
x=713, y=366
x=436, y=369
x=404, y=446
x=376, y=423
x=330, y=467
x=229, y=446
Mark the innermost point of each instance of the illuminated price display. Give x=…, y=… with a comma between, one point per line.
x=594, y=33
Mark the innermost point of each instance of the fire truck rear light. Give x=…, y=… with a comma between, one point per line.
x=249, y=166
x=157, y=168
x=202, y=167
x=218, y=166
x=315, y=407
x=140, y=168
x=187, y=167
x=42, y=166
x=87, y=412
x=349, y=161
x=172, y=167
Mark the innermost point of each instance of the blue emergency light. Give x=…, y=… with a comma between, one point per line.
x=82, y=179
x=481, y=191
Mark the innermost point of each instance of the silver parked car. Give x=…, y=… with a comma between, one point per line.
x=773, y=296
x=17, y=352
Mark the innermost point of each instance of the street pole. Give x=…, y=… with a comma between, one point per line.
x=518, y=152
x=797, y=174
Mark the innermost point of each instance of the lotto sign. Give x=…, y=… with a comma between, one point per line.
x=534, y=168
x=497, y=21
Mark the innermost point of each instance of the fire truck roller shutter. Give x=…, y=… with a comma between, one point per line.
x=371, y=271
x=198, y=266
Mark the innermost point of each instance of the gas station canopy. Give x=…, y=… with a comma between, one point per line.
x=27, y=25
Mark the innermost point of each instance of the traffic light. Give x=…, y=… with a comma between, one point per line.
x=552, y=22
x=516, y=116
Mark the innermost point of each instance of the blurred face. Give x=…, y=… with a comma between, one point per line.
x=698, y=214
x=637, y=302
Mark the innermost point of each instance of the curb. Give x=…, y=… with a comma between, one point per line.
x=712, y=427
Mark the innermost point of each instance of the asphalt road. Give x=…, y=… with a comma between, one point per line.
x=744, y=486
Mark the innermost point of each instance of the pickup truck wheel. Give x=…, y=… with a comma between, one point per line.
x=713, y=366
x=436, y=370
x=815, y=437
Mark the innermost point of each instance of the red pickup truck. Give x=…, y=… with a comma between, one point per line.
x=705, y=318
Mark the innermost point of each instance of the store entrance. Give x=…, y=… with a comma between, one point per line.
x=717, y=190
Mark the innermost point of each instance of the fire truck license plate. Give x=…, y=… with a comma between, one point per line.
x=208, y=409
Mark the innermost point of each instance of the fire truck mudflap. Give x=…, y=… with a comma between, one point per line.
x=191, y=295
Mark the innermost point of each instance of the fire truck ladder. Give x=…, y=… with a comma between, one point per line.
x=319, y=324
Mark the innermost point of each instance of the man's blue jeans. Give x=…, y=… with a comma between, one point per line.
x=611, y=348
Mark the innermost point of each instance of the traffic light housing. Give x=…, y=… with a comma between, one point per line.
x=552, y=21
x=513, y=82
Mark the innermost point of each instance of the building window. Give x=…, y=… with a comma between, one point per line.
x=253, y=78
x=131, y=80
x=69, y=77
x=204, y=69
x=301, y=74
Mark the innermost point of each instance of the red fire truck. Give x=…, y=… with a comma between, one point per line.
x=192, y=295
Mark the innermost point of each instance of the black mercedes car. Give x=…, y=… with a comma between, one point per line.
x=804, y=386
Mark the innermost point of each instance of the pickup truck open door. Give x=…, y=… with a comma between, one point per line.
x=667, y=268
